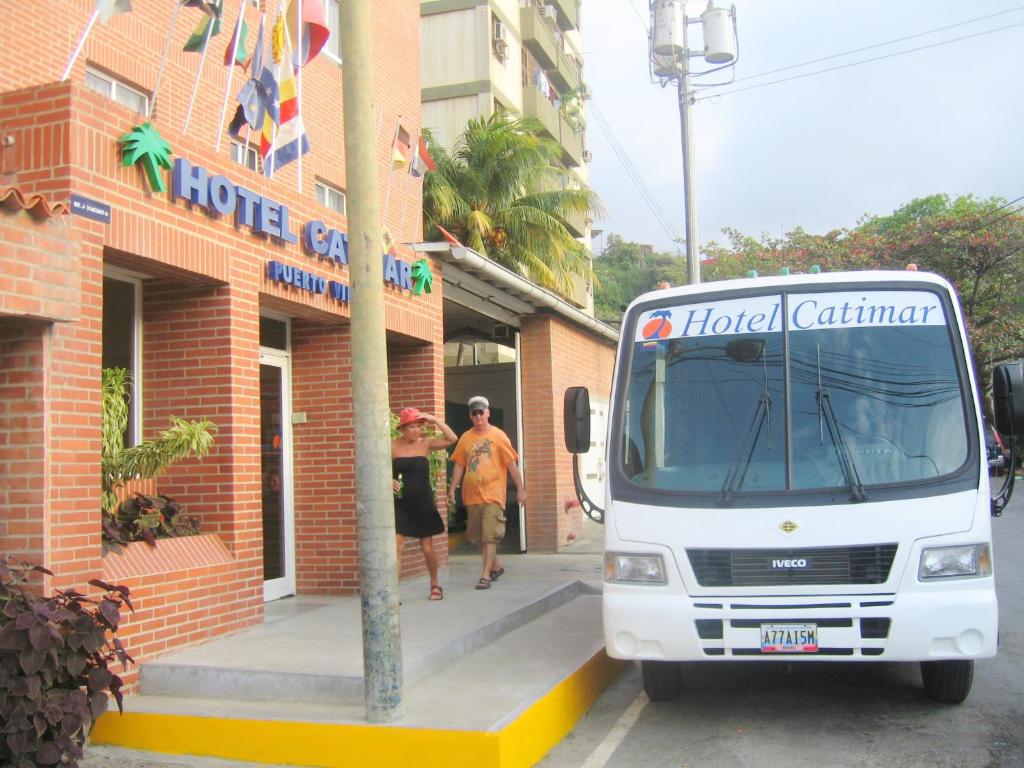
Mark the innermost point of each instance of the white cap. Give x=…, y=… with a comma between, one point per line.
x=478, y=401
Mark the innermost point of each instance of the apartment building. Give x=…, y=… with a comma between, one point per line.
x=524, y=56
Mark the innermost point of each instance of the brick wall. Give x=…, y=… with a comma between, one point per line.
x=22, y=439
x=39, y=267
x=204, y=286
x=555, y=356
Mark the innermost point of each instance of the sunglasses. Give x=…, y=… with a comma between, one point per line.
x=476, y=412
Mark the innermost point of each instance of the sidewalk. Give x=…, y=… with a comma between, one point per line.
x=491, y=678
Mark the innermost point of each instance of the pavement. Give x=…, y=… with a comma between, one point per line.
x=491, y=678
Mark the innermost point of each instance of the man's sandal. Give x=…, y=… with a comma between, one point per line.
x=436, y=593
x=495, y=575
x=483, y=583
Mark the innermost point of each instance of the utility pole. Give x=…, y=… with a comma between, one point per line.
x=692, y=239
x=382, y=644
x=670, y=62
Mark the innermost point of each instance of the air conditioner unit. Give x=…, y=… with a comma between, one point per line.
x=587, y=157
x=549, y=13
x=500, y=48
x=499, y=30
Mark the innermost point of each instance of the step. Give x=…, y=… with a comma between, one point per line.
x=315, y=654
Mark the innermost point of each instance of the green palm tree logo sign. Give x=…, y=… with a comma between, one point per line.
x=422, y=279
x=144, y=144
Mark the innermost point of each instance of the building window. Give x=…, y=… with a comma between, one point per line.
x=122, y=322
x=244, y=154
x=330, y=197
x=114, y=89
x=332, y=9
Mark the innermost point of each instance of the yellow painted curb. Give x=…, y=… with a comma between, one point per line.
x=519, y=744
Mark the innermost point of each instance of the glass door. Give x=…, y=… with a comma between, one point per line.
x=276, y=471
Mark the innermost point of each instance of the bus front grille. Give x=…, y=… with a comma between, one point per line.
x=868, y=564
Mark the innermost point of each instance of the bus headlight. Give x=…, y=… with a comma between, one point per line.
x=945, y=562
x=634, y=569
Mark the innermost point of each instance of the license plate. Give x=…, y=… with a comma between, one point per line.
x=789, y=638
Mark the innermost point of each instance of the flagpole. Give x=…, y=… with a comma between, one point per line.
x=202, y=60
x=298, y=84
x=231, y=71
x=81, y=42
x=252, y=64
x=163, y=58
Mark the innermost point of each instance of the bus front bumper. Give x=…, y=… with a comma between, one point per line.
x=649, y=623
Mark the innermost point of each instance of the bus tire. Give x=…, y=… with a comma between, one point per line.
x=662, y=679
x=947, y=682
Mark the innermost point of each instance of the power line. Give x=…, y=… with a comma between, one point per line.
x=857, y=63
x=643, y=22
x=878, y=45
x=651, y=201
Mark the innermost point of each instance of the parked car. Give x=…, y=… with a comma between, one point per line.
x=997, y=461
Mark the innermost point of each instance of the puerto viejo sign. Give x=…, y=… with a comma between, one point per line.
x=266, y=217
x=804, y=312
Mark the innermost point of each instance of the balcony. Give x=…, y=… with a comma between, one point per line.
x=572, y=143
x=567, y=75
x=535, y=104
x=538, y=37
x=568, y=13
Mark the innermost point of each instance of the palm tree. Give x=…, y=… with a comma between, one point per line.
x=501, y=192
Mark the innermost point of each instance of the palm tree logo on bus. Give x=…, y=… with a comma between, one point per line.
x=659, y=326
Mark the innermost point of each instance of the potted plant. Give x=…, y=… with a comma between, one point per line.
x=54, y=675
x=144, y=517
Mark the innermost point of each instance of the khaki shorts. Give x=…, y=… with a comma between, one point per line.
x=485, y=523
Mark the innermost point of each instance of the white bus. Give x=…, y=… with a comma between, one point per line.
x=796, y=471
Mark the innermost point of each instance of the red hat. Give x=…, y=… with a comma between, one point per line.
x=409, y=416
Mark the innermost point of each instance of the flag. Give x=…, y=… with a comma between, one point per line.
x=314, y=31
x=242, y=57
x=107, y=8
x=211, y=15
x=258, y=95
x=449, y=236
x=284, y=139
x=422, y=161
x=401, y=149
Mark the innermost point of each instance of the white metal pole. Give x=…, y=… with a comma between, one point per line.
x=692, y=240
x=81, y=42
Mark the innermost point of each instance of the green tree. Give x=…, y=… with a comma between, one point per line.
x=501, y=191
x=975, y=244
x=624, y=270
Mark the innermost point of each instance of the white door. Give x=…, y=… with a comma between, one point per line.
x=276, y=471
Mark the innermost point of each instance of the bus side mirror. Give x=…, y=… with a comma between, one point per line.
x=1008, y=397
x=576, y=415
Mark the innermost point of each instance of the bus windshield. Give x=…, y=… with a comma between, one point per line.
x=793, y=392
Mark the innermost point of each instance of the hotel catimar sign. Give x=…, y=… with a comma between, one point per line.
x=266, y=217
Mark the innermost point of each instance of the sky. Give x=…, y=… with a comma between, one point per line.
x=817, y=152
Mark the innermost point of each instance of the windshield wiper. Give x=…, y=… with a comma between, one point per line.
x=824, y=398
x=738, y=470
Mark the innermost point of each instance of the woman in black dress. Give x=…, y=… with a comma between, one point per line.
x=416, y=512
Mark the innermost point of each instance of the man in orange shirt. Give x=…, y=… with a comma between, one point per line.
x=483, y=458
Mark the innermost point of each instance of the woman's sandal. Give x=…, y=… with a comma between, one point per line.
x=495, y=575
x=436, y=593
x=483, y=583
